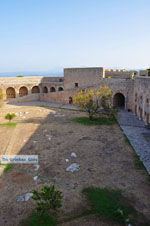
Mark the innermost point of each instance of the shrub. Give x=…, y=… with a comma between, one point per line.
x=10, y=116
x=47, y=199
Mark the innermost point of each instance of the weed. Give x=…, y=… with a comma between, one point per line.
x=95, y=121
x=109, y=204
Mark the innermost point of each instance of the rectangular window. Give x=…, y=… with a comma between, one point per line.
x=76, y=84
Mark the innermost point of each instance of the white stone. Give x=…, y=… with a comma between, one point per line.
x=49, y=137
x=36, y=167
x=34, y=141
x=53, y=112
x=73, y=154
x=73, y=167
x=67, y=160
x=35, y=178
x=25, y=197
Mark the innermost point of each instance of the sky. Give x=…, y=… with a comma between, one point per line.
x=49, y=35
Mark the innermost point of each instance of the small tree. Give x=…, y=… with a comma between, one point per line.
x=47, y=199
x=10, y=116
x=91, y=101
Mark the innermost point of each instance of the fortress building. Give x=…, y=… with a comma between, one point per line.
x=130, y=89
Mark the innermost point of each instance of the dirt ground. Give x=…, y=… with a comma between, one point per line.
x=104, y=157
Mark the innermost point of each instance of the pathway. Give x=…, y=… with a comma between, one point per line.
x=138, y=135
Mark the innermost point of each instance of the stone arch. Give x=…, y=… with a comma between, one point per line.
x=23, y=91
x=52, y=89
x=35, y=89
x=45, y=89
x=60, y=89
x=70, y=100
x=119, y=100
x=10, y=92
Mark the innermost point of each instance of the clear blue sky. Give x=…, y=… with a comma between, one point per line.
x=42, y=35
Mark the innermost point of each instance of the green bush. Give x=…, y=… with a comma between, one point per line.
x=47, y=199
x=10, y=116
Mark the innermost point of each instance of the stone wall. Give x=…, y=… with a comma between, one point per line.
x=82, y=77
x=141, y=97
x=43, y=84
x=136, y=92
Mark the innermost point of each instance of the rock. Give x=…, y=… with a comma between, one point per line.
x=35, y=178
x=49, y=137
x=73, y=154
x=73, y=167
x=25, y=197
x=36, y=167
x=67, y=160
x=127, y=220
x=34, y=141
x=53, y=112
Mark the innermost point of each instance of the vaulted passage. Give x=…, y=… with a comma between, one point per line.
x=119, y=100
x=60, y=89
x=35, y=89
x=52, y=89
x=10, y=93
x=45, y=89
x=23, y=91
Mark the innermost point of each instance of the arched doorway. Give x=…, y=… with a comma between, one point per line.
x=52, y=89
x=119, y=100
x=45, y=89
x=35, y=89
x=60, y=89
x=70, y=100
x=10, y=93
x=23, y=91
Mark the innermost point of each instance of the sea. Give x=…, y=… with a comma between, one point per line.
x=30, y=74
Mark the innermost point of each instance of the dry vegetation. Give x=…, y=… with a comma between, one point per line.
x=105, y=160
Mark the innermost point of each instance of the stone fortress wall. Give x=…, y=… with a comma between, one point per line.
x=129, y=89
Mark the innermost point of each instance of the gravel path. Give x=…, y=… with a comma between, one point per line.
x=138, y=135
